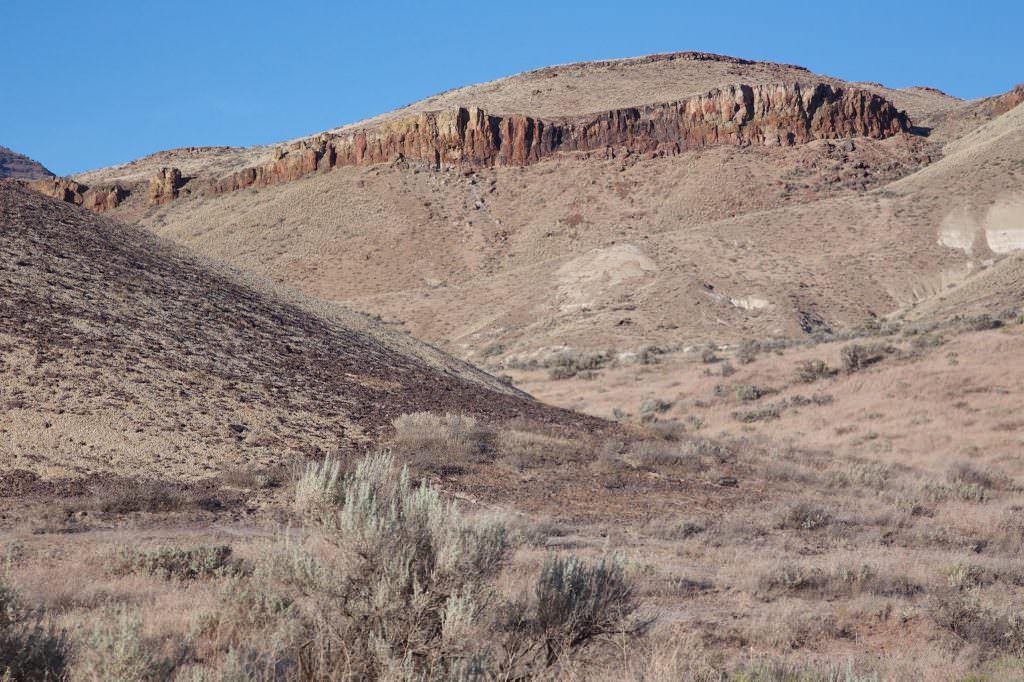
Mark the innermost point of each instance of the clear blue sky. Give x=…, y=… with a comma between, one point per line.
x=87, y=85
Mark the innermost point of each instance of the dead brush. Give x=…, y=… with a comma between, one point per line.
x=175, y=563
x=443, y=444
x=857, y=356
x=841, y=580
x=803, y=516
x=691, y=455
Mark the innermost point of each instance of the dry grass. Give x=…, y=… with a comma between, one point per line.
x=813, y=551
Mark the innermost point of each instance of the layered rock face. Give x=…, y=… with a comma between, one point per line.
x=782, y=114
x=776, y=114
x=15, y=166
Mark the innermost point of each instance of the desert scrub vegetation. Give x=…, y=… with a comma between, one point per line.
x=116, y=650
x=30, y=647
x=967, y=616
x=858, y=356
x=652, y=407
x=803, y=516
x=746, y=351
x=829, y=583
x=174, y=562
x=689, y=455
x=809, y=371
x=393, y=581
x=750, y=392
x=444, y=444
x=568, y=363
x=577, y=602
x=760, y=414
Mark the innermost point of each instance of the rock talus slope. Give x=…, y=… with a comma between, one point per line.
x=122, y=353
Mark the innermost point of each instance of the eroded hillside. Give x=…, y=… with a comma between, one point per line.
x=124, y=354
x=708, y=198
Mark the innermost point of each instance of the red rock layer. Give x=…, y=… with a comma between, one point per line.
x=775, y=114
x=738, y=115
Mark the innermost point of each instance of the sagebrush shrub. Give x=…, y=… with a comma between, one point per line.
x=803, y=516
x=318, y=490
x=810, y=371
x=857, y=356
x=577, y=602
x=30, y=649
x=747, y=351
x=116, y=650
x=409, y=581
x=174, y=562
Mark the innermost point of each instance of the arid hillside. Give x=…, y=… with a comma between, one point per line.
x=15, y=166
x=707, y=198
x=787, y=310
x=123, y=354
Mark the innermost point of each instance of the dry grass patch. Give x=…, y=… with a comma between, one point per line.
x=444, y=444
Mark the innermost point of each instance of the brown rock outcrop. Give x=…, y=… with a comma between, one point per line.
x=780, y=114
x=164, y=186
x=99, y=199
x=771, y=115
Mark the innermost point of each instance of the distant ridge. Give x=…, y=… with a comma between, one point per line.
x=15, y=166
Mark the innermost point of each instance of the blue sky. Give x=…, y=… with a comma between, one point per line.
x=87, y=85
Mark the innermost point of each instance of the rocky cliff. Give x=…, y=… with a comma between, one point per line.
x=782, y=114
x=15, y=166
x=771, y=115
